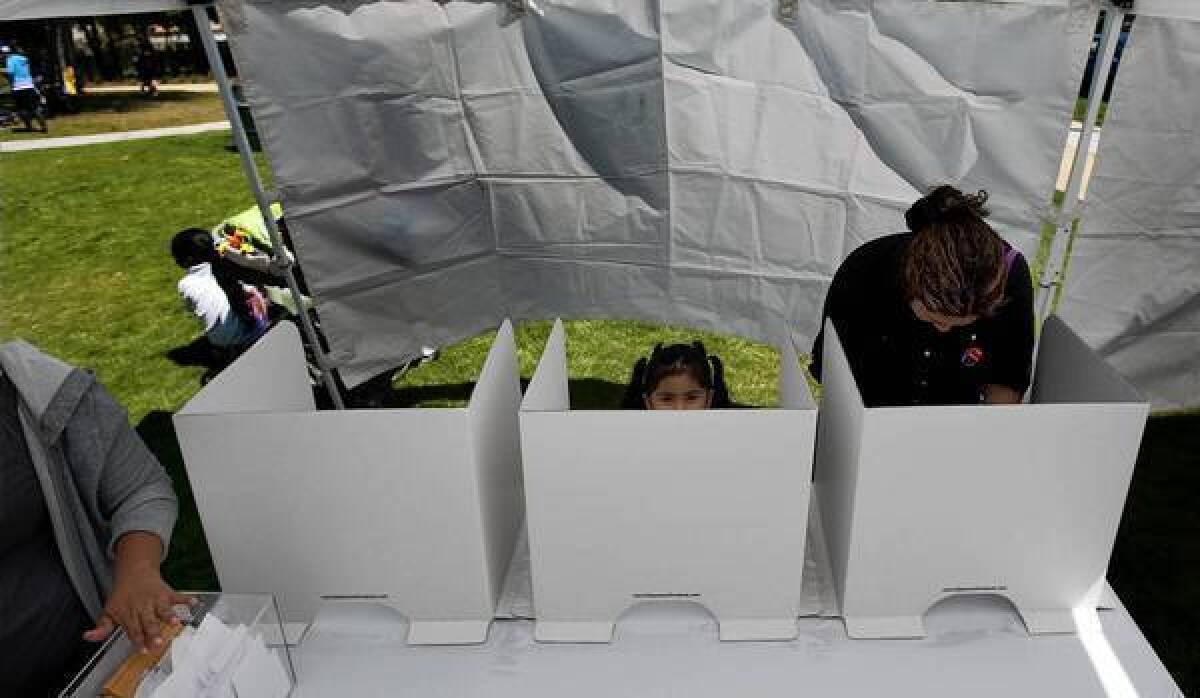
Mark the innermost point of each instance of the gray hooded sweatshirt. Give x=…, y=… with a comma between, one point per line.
x=98, y=478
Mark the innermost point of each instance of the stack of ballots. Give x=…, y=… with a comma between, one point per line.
x=215, y=660
x=226, y=646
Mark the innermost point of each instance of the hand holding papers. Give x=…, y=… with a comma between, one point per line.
x=219, y=661
x=218, y=651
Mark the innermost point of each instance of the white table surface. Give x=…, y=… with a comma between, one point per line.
x=976, y=646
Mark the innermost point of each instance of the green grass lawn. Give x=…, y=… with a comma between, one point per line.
x=85, y=274
x=109, y=112
x=600, y=354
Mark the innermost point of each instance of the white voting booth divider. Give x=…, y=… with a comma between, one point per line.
x=416, y=509
x=627, y=506
x=923, y=503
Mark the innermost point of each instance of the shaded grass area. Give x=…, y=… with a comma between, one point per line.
x=85, y=274
x=115, y=112
x=600, y=356
x=1155, y=568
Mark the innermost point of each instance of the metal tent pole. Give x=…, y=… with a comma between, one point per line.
x=1052, y=274
x=280, y=259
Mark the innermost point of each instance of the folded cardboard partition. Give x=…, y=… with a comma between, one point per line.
x=418, y=509
x=922, y=503
x=629, y=506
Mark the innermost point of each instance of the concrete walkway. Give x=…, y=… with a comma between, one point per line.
x=180, y=87
x=68, y=141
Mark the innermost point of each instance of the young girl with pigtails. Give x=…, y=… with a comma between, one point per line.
x=677, y=377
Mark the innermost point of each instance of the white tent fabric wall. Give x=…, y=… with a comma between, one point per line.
x=977, y=94
x=1133, y=281
x=697, y=162
x=49, y=9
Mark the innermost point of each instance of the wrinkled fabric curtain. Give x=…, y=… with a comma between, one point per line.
x=444, y=165
x=1133, y=280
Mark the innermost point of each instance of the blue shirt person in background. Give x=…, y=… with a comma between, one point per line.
x=25, y=94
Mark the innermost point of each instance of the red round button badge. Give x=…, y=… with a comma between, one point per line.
x=972, y=356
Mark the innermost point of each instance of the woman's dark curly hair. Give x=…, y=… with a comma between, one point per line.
x=675, y=359
x=955, y=264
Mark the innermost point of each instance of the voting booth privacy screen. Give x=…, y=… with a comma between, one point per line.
x=924, y=503
x=629, y=506
x=447, y=164
x=415, y=509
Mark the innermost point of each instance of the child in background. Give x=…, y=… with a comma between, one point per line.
x=234, y=314
x=677, y=377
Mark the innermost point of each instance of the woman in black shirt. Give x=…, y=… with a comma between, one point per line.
x=940, y=315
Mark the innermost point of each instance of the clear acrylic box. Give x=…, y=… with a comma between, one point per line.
x=257, y=613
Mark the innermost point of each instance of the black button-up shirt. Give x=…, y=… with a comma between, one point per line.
x=899, y=359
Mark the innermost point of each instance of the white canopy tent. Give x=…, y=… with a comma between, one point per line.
x=444, y=165
x=710, y=163
x=449, y=163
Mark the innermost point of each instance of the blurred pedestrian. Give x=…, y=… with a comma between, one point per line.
x=146, y=65
x=25, y=94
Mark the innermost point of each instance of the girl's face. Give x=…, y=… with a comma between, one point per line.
x=679, y=391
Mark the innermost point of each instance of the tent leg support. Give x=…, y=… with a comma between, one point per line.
x=280, y=260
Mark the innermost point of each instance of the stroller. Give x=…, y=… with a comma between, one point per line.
x=10, y=114
x=8, y=110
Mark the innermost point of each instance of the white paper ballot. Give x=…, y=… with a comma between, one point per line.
x=180, y=648
x=211, y=637
x=150, y=682
x=216, y=661
x=182, y=683
x=229, y=654
x=261, y=674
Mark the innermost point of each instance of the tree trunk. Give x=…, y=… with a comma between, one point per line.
x=100, y=63
x=196, y=45
x=142, y=32
x=116, y=29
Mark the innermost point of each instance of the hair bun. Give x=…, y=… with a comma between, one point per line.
x=943, y=203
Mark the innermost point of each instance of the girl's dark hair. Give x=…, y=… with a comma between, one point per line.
x=955, y=264
x=193, y=246
x=675, y=359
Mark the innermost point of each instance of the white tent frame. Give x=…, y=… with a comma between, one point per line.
x=1052, y=273
x=279, y=259
x=1052, y=279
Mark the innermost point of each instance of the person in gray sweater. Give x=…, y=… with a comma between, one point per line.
x=86, y=514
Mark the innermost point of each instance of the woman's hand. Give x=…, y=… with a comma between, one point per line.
x=140, y=602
